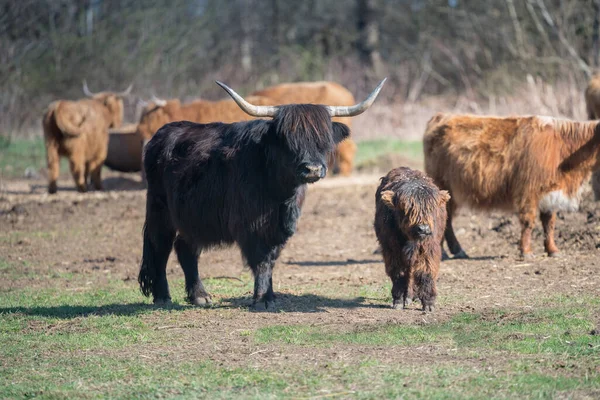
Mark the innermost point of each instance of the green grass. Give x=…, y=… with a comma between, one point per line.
x=371, y=150
x=107, y=341
x=19, y=154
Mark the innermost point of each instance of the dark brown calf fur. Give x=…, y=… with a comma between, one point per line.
x=410, y=218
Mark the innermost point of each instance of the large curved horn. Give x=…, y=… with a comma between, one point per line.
x=250, y=109
x=158, y=102
x=126, y=92
x=87, y=90
x=351, y=111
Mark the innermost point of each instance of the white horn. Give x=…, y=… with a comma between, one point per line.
x=86, y=90
x=250, y=109
x=351, y=111
x=158, y=102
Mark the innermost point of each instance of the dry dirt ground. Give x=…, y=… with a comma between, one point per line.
x=95, y=238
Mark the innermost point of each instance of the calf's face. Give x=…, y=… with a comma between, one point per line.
x=415, y=209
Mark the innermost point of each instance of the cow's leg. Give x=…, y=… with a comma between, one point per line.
x=53, y=164
x=548, y=221
x=261, y=260
x=96, y=174
x=527, y=220
x=451, y=239
x=158, y=242
x=187, y=254
x=77, y=165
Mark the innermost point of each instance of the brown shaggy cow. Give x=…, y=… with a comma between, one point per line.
x=592, y=102
x=319, y=93
x=78, y=130
x=525, y=164
x=410, y=218
x=160, y=112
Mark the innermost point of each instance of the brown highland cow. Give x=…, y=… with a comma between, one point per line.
x=160, y=112
x=592, y=102
x=523, y=164
x=342, y=160
x=410, y=217
x=78, y=130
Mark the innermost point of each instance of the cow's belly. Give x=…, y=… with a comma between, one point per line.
x=557, y=200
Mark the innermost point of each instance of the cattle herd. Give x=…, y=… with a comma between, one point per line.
x=236, y=171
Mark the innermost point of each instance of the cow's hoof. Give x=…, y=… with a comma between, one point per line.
x=263, y=306
x=461, y=255
x=555, y=254
x=377, y=251
x=397, y=304
x=52, y=189
x=162, y=302
x=445, y=255
x=527, y=256
x=201, y=301
x=428, y=307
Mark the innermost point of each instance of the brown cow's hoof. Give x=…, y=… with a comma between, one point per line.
x=52, y=188
x=555, y=254
x=461, y=255
x=429, y=308
x=527, y=256
x=201, y=301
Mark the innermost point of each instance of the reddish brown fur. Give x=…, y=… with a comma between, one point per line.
x=511, y=163
x=329, y=93
x=78, y=130
x=410, y=218
x=592, y=102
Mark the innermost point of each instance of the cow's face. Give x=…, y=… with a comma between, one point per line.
x=414, y=209
x=114, y=105
x=155, y=116
x=304, y=136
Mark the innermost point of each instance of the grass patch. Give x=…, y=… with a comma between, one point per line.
x=371, y=150
x=17, y=155
x=98, y=342
x=562, y=331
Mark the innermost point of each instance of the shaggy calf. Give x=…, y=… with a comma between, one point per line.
x=78, y=130
x=242, y=183
x=410, y=218
x=526, y=164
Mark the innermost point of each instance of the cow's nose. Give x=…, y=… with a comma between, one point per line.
x=312, y=172
x=422, y=230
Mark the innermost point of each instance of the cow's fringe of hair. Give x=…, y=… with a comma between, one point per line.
x=147, y=273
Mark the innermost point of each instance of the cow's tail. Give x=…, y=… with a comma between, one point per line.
x=69, y=118
x=147, y=274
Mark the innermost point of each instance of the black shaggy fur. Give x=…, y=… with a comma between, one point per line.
x=240, y=183
x=410, y=218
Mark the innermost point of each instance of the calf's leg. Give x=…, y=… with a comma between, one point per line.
x=548, y=221
x=401, y=289
x=187, y=254
x=158, y=242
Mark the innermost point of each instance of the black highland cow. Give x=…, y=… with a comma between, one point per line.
x=240, y=183
x=410, y=218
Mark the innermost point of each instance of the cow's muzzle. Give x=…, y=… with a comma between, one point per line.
x=421, y=231
x=310, y=173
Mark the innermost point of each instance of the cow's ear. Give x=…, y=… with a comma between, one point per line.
x=444, y=197
x=340, y=132
x=387, y=196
